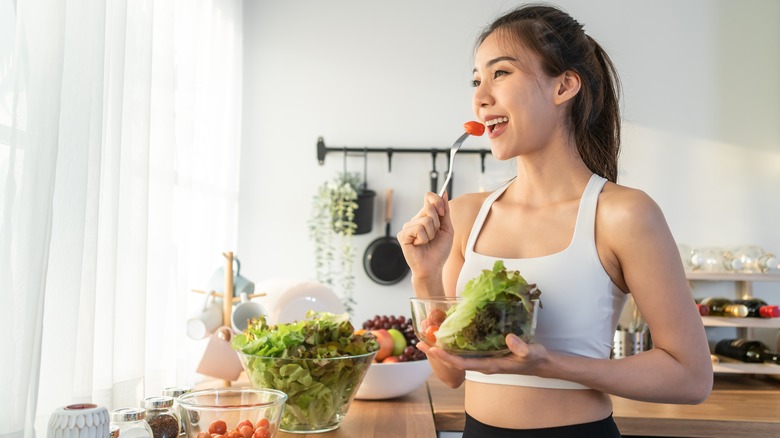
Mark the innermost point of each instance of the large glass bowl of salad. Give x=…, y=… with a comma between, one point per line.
x=475, y=324
x=319, y=362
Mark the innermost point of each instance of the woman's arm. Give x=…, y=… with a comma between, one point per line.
x=641, y=251
x=426, y=241
x=433, y=243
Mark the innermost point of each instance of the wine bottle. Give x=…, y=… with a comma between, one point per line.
x=724, y=307
x=758, y=308
x=746, y=351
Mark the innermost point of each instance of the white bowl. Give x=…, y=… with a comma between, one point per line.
x=391, y=380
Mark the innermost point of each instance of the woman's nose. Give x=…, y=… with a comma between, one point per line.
x=482, y=96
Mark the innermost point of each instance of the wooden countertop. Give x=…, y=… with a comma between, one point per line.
x=407, y=416
x=737, y=406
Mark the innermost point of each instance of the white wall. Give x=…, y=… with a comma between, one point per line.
x=701, y=103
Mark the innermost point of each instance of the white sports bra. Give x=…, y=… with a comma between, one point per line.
x=581, y=303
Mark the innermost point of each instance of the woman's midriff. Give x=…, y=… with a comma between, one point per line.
x=522, y=407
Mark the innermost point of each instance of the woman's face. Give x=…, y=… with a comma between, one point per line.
x=513, y=98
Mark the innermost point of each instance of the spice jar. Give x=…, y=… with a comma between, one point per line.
x=131, y=423
x=175, y=392
x=161, y=416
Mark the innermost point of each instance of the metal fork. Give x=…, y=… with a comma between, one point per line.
x=453, y=150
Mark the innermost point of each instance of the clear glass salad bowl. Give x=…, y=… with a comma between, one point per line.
x=319, y=391
x=448, y=323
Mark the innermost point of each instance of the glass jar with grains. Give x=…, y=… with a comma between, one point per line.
x=162, y=417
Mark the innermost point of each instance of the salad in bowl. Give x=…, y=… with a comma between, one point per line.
x=492, y=305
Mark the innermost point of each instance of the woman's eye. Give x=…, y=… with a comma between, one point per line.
x=475, y=83
x=499, y=73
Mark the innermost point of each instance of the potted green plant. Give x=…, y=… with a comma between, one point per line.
x=334, y=220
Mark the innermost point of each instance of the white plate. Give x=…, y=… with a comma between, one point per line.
x=292, y=303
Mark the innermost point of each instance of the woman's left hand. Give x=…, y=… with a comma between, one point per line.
x=524, y=358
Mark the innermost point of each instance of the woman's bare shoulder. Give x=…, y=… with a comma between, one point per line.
x=628, y=210
x=463, y=212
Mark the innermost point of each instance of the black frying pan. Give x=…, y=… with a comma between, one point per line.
x=384, y=260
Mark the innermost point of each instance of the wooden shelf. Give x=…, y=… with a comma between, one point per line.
x=724, y=276
x=746, y=368
x=724, y=321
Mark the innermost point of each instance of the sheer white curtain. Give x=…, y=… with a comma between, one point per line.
x=119, y=149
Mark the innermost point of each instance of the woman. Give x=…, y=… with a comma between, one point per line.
x=547, y=94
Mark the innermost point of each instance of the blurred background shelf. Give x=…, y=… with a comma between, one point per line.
x=722, y=321
x=746, y=368
x=717, y=276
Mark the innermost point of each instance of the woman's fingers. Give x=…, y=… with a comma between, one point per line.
x=424, y=226
x=413, y=233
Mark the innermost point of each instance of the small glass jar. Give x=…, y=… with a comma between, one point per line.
x=131, y=423
x=162, y=417
x=175, y=392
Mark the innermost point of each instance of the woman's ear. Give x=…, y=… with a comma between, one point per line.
x=568, y=85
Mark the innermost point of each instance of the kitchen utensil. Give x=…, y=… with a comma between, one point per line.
x=472, y=128
x=244, y=311
x=240, y=283
x=384, y=260
x=364, y=214
x=219, y=360
x=207, y=320
x=434, y=174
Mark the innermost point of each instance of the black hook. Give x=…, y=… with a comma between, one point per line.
x=321, y=151
x=389, y=159
x=365, y=168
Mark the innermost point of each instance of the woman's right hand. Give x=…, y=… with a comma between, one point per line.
x=426, y=240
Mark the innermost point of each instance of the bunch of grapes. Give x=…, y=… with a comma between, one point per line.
x=402, y=324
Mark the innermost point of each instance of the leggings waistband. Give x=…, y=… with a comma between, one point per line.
x=605, y=428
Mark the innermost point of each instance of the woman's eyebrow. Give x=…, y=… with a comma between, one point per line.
x=499, y=59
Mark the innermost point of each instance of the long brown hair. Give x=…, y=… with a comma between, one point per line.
x=562, y=45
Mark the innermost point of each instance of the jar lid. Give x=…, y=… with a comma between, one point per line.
x=175, y=391
x=128, y=414
x=158, y=402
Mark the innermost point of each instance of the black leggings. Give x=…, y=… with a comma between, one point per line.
x=605, y=428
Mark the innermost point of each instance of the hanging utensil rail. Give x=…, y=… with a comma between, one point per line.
x=323, y=150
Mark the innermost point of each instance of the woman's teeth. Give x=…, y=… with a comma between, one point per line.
x=496, y=121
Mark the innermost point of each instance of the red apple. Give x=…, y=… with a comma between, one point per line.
x=391, y=359
x=385, y=343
